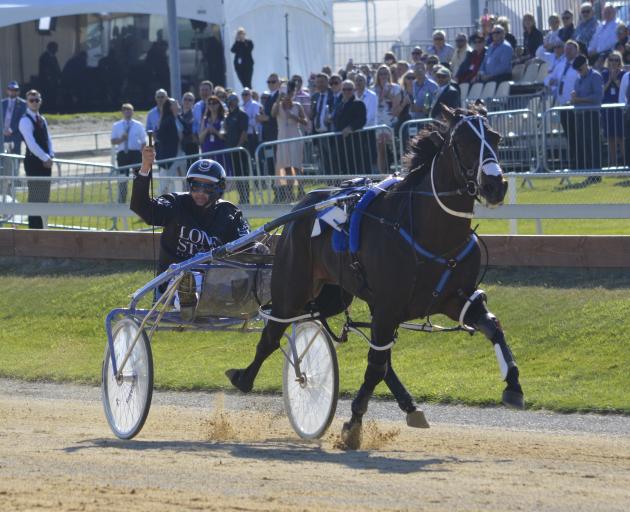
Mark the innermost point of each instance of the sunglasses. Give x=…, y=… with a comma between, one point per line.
x=586, y=11
x=438, y=39
x=416, y=53
x=245, y=94
x=334, y=82
x=206, y=188
x=213, y=102
x=34, y=100
x=188, y=99
x=272, y=81
x=615, y=60
x=410, y=77
x=160, y=97
x=496, y=33
x=347, y=89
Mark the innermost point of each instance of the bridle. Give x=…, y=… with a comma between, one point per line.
x=489, y=166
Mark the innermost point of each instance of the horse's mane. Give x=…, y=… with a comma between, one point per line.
x=429, y=142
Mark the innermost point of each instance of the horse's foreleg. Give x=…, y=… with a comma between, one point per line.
x=243, y=379
x=483, y=320
x=415, y=417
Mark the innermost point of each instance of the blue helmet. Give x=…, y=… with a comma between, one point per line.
x=209, y=170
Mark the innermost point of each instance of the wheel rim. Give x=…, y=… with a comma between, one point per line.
x=126, y=398
x=310, y=401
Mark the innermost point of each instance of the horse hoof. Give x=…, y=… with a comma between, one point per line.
x=513, y=399
x=416, y=419
x=236, y=379
x=351, y=435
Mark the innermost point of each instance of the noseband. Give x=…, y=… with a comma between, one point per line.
x=488, y=166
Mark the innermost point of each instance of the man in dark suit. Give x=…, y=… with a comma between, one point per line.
x=446, y=94
x=269, y=123
x=322, y=106
x=13, y=108
x=350, y=116
x=50, y=74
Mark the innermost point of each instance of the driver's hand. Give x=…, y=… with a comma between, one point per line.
x=148, y=157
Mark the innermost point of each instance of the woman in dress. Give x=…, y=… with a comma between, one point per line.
x=613, y=117
x=212, y=132
x=289, y=156
x=388, y=96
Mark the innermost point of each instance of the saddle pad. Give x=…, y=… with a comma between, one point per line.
x=364, y=202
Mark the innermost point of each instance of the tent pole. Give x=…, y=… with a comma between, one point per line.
x=173, y=50
x=286, y=31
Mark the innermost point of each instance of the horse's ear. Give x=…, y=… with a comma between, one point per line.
x=448, y=113
x=436, y=139
x=480, y=107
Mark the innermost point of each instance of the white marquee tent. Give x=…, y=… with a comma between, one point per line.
x=304, y=27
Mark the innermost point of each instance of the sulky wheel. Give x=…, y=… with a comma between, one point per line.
x=310, y=400
x=127, y=399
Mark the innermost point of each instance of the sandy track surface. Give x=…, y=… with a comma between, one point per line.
x=57, y=453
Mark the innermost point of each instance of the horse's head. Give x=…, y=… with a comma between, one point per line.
x=474, y=145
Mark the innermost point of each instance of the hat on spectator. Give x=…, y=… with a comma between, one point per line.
x=417, y=49
x=442, y=71
x=579, y=61
x=246, y=90
x=232, y=97
x=14, y=86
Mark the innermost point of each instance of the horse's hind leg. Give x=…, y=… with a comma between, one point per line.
x=378, y=357
x=243, y=379
x=479, y=317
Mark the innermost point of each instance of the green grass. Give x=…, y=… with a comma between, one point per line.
x=54, y=119
x=568, y=330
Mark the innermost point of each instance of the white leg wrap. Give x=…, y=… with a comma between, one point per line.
x=503, y=366
x=380, y=349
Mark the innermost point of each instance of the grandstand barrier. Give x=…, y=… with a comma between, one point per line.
x=587, y=139
x=504, y=250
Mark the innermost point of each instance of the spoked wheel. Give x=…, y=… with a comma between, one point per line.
x=127, y=399
x=310, y=399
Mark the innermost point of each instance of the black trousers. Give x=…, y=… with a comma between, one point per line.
x=123, y=159
x=244, y=73
x=192, y=149
x=240, y=167
x=38, y=191
x=582, y=128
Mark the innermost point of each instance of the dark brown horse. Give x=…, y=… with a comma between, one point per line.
x=417, y=257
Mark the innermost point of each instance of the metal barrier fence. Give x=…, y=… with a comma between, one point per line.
x=519, y=147
x=367, y=151
x=587, y=139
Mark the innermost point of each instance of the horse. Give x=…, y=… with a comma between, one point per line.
x=417, y=257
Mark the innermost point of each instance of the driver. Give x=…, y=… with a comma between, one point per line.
x=193, y=222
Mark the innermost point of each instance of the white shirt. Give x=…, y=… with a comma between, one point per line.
x=252, y=109
x=27, y=129
x=605, y=37
x=623, y=87
x=198, y=110
x=136, y=136
x=370, y=101
x=566, y=79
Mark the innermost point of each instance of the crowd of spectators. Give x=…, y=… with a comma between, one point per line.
x=587, y=66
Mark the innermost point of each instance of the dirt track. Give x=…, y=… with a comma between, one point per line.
x=58, y=454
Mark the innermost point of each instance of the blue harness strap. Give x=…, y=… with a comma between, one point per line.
x=364, y=202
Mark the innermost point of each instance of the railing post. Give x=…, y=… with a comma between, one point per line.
x=512, y=200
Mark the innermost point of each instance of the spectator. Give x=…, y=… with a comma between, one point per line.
x=587, y=27
x=367, y=72
x=393, y=71
x=388, y=95
x=487, y=23
x=624, y=97
x=322, y=102
x=406, y=102
x=167, y=144
x=605, y=36
x=497, y=62
x=222, y=94
x=129, y=137
x=252, y=108
x=587, y=93
x=243, y=60
x=552, y=37
x=389, y=59
x=39, y=154
x=613, y=117
x=562, y=79
x=568, y=30
x=349, y=117
x=369, y=99
x=554, y=57
x=469, y=69
x=622, y=37
x=73, y=79
x=13, y=108
x=335, y=87
x=289, y=156
x=504, y=21
x=236, y=127
x=445, y=95
x=212, y=130
x=153, y=116
x=190, y=145
x=199, y=110
x=416, y=55
x=532, y=37
x=268, y=122
x=441, y=48
x=302, y=97
x=50, y=74
x=462, y=50
x=431, y=62
x=402, y=66
x=423, y=90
